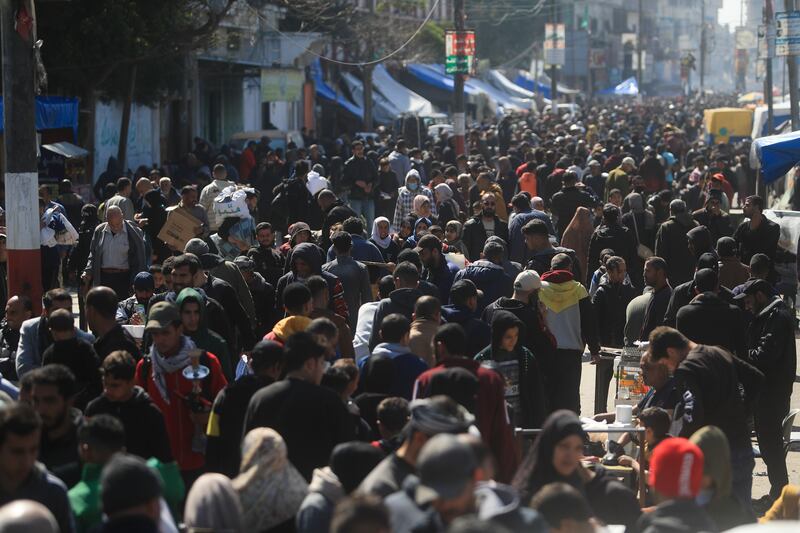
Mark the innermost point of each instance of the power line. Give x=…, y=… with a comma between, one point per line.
x=349, y=63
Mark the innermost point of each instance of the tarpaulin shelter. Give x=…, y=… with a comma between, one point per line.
x=327, y=92
x=53, y=112
x=403, y=98
x=775, y=155
x=541, y=84
x=629, y=87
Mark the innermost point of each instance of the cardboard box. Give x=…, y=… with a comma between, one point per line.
x=179, y=228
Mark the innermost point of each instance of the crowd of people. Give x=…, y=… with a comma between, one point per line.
x=355, y=330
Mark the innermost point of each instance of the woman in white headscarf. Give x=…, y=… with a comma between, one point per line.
x=382, y=238
x=446, y=204
x=270, y=487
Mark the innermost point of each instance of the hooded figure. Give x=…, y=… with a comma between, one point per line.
x=715, y=489
x=80, y=252
x=700, y=242
x=407, y=194
x=203, y=337
x=456, y=244
x=577, y=236
x=524, y=390
x=310, y=255
x=213, y=505
x=156, y=215
x=270, y=487
x=639, y=220
x=411, y=242
x=672, y=241
x=445, y=204
x=612, y=502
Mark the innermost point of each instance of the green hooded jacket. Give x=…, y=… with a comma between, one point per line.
x=205, y=338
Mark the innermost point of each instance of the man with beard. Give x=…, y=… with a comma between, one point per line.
x=482, y=226
x=268, y=261
x=18, y=310
x=758, y=234
x=53, y=394
x=436, y=268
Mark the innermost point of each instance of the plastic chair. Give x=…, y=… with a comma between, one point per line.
x=789, y=437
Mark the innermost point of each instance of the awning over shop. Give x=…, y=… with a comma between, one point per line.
x=507, y=102
x=434, y=75
x=775, y=155
x=383, y=110
x=66, y=150
x=781, y=113
x=53, y=112
x=403, y=98
x=540, y=85
x=325, y=91
x=628, y=87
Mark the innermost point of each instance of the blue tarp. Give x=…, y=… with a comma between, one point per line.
x=524, y=80
x=777, y=154
x=434, y=75
x=628, y=87
x=53, y=112
x=325, y=91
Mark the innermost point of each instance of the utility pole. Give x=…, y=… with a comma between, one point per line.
x=18, y=29
x=768, y=22
x=703, y=45
x=639, y=78
x=791, y=66
x=459, y=118
x=553, y=68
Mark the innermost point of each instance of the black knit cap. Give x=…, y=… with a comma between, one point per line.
x=128, y=482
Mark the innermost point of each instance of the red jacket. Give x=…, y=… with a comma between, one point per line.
x=491, y=415
x=180, y=427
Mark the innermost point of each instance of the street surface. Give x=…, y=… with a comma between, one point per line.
x=760, y=480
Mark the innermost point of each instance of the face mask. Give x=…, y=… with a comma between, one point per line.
x=413, y=186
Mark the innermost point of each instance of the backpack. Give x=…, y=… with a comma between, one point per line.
x=205, y=360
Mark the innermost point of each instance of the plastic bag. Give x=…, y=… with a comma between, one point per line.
x=231, y=203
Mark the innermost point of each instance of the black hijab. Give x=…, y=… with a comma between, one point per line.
x=537, y=469
x=502, y=321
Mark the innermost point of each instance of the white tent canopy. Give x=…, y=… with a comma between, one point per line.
x=383, y=110
x=400, y=96
x=496, y=78
x=781, y=113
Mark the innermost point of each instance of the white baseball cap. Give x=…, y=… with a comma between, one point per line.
x=527, y=281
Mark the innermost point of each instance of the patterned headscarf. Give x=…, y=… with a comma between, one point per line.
x=269, y=486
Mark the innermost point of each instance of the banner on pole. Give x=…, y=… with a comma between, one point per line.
x=555, y=44
x=787, y=33
x=459, y=52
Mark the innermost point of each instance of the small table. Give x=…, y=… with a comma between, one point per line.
x=599, y=428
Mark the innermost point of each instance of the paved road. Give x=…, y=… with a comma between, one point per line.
x=760, y=480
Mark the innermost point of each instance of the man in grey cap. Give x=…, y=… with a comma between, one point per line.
x=445, y=489
x=429, y=417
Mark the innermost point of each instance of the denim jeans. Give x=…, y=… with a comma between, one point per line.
x=742, y=464
x=366, y=208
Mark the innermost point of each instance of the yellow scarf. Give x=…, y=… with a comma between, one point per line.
x=559, y=296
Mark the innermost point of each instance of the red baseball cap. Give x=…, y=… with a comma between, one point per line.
x=676, y=468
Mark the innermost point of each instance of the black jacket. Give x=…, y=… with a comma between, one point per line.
x=116, y=339
x=475, y=235
x=60, y=455
x=9, y=340
x=479, y=334
x=535, y=337
x=610, y=303
x=145, y=430
x=336, y=213
x=708, y=319
x=618, y=238
x=399, y=301
x=763, y=240
x=268, y=262
x=224, y=293
x=79, y=356
x=223, y=449
x=718, y=226
x=540, y=261
x=672, y=245
x=715, y=388
x=682, y=295
x=656, y=309
x=675, y=516
x=771, y=348
x=310, y=418
x=611, y=501
x=359, y=169
x=565, y=202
